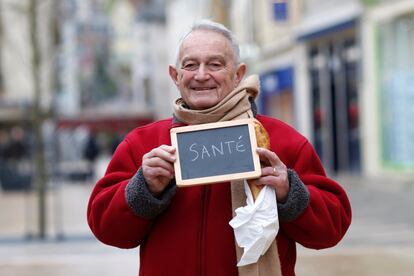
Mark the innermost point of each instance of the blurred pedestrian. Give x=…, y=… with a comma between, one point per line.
x=186, y=231
x=15, y=171
x=4, y=140
x=115, y=141
x=91, y=149
x=17, y=148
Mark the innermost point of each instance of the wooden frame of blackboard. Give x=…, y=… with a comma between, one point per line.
x=255, y=173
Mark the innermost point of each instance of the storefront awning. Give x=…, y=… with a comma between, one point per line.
x=321, y=24
x=104, y=123
x=276, y=81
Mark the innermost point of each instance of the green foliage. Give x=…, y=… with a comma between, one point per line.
x=370, y=2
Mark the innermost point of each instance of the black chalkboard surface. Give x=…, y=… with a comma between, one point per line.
x=215, y=152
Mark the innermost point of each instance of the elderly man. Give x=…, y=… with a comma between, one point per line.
x=186, y=231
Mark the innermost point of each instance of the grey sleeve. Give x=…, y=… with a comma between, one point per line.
x=297, y=199
x=142, y=202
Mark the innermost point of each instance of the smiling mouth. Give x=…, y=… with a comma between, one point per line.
x=203, y=88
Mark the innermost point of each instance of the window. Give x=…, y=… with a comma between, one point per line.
x=280, y=10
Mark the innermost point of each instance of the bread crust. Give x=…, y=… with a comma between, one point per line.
x=263, y=141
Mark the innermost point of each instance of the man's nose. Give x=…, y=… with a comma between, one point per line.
x=202, y=73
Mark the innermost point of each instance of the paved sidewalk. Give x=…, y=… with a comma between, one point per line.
x=379, y=242
x=358, y=261
x=89, y=258
x=82, y=257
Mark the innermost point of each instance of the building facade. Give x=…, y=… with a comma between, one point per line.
x=264, y=29
x=341, y=75
x=387, y=91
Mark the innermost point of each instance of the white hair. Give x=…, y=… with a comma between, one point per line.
x=208, y=25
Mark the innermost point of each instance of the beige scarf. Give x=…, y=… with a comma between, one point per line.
x=235, y=105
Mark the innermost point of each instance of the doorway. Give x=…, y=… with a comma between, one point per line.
x=333, y=71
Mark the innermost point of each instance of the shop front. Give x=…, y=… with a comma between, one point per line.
x=395, y=44
x=333, y=56
x=276, y=97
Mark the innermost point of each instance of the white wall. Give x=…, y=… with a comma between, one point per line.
x=155, y=58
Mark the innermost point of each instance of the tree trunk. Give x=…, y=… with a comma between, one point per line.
x=1, y=50
x=37, y=117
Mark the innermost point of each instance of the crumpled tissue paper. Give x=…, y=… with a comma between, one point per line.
x=256, y=224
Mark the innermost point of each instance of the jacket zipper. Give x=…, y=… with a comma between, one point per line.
x=204, y=200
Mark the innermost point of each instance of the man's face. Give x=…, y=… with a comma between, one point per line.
x=206, y=70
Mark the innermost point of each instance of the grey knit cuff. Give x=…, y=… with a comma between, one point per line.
x=142, y=202
x=297, y=199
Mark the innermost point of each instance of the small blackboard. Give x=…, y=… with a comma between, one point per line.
x=215, y=152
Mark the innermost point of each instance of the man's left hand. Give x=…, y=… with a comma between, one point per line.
x=274, y=173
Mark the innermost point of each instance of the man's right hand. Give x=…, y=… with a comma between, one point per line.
x=158, y=168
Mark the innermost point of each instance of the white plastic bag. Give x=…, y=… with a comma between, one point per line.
x=256, y=224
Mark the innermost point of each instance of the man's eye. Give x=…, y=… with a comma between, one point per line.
x=189, y=66
x=215, y=66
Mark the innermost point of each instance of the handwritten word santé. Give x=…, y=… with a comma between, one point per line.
x=221, y=149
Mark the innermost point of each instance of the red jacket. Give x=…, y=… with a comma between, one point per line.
x=192, y=236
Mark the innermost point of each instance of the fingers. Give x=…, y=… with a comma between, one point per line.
x=279, y=183
x=157, y=167
x=157, y=162
x=166, y=169
x=270, y=175
x=274, y=173
x=161, y=157
x=268, y=157
x=163, y=152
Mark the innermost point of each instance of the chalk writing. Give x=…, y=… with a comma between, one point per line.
x=213, y=150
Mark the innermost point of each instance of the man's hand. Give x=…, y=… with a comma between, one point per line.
x=158, y=168
x=274, y=173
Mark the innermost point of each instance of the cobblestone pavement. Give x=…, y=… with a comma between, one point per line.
x=379, y=242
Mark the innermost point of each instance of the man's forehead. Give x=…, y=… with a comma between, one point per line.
x=214, y=56
x=194, y=43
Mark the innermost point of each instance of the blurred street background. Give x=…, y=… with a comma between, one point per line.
x=77, y=75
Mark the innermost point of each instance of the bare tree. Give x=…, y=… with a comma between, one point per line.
x=38, y=118
x=1, y=46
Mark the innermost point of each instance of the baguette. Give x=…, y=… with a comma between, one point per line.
x=263, y=141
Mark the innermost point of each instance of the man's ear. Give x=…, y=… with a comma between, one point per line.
x=173, y=74
x=240, y=72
